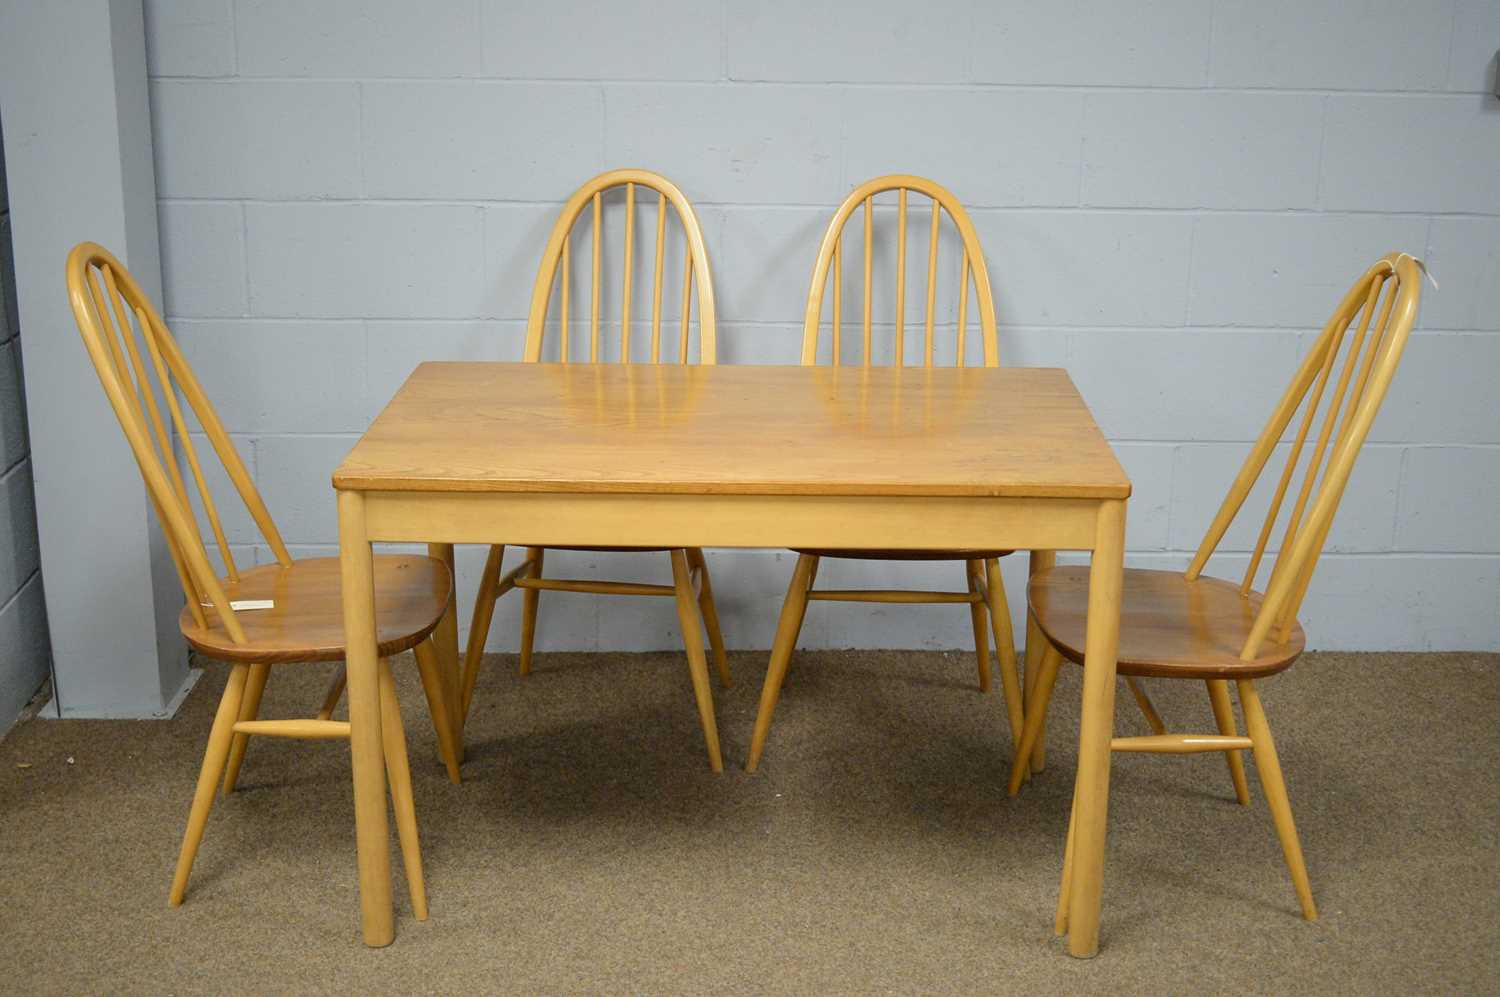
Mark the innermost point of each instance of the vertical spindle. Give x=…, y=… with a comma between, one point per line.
x=629, y=266
x=661, y=231
x=932, y=246
x=900, y=358
x=869, y=240
x=594, y=299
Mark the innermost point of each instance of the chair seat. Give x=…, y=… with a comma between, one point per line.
x=1170, y=627
x=904, y=555
x=307, y=621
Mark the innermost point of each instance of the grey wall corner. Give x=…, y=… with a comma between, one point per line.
x=73, y=96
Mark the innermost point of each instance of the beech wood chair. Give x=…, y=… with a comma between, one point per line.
x=1191, y=626
x=690, y=587
x=984, y=592
x=254, y=618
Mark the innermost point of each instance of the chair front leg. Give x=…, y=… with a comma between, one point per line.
x=692, y=636
x=1148, y=710
x=530, y=599
x=398, y=770
x=787, y=627
x=479, y=626
x=1269, y=766
x=214, y=757
x=973, y=571
x=255, y=687
x=1005, y=649
x=698, y=562
x=1060, y=920
x=1036, y=715
x=450, y=740
x=335, y=692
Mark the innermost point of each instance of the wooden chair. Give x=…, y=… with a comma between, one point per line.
x=1190, y=626
x=690, y=582
x=299, y=615
x=984, y=592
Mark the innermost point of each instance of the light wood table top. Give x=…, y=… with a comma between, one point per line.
x=746, y=430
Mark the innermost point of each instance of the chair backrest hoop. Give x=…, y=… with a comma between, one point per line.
x=830, y=257
x=1384, y=300
x=130, y=385
x=696, y=269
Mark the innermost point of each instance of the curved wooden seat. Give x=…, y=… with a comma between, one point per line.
x=1170, y=626
x=904, y=555
x=306, y=623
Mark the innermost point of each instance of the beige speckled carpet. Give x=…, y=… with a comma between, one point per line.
x=591, y=850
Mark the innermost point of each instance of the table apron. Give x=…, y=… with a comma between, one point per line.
x=676, y=520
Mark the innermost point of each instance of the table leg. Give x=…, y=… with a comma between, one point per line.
x=372, y=836
x=1036, y=647
x=446, y=641
x=1091, y=792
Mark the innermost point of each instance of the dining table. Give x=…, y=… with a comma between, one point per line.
x=747, y=456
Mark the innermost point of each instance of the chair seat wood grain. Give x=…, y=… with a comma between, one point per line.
x=307, y=622
x=1170, y=626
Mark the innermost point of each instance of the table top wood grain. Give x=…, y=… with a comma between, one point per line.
x=746, y=430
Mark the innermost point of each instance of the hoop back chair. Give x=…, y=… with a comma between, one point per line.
x=136, y=358
x=690, y=581
x=1193, y=626
x=985, y=591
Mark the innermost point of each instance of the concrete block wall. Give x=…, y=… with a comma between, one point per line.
x=23, y=611
x=1172, y=196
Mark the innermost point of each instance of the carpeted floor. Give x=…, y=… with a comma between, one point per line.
x=591, y=850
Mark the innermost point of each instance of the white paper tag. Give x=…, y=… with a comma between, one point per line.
x=1422, y=266
x=238, y=605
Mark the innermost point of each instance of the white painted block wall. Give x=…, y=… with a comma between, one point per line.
x=1172, y=196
